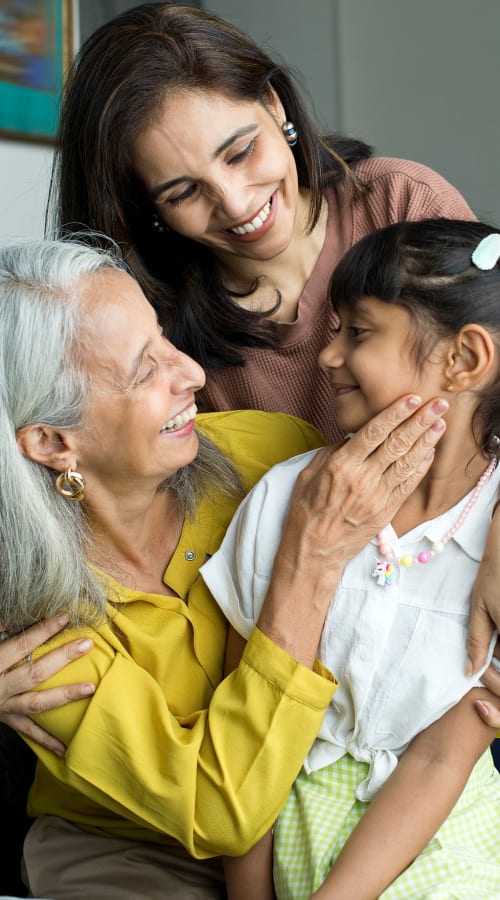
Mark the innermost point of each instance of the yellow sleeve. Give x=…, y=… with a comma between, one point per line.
x=257, y=440
x=214, y=780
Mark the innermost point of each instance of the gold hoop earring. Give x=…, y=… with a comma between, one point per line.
x=71, y=485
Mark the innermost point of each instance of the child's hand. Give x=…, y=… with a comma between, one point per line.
x=485, y=608
x=489, y=711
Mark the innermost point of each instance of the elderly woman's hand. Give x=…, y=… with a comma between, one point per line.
x=340, y=502
x=19, y=675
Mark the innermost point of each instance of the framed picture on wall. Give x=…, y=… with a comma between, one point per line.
x=36, y=45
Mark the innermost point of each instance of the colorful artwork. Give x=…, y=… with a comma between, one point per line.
x=34, y=48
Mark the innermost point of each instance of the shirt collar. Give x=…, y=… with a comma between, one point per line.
x=471, y=536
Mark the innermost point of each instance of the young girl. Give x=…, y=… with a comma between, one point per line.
x=401, y=751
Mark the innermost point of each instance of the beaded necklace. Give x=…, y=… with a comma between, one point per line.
x=383, y=571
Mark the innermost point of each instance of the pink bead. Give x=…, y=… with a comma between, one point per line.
x=424, y=557
x=385, y=549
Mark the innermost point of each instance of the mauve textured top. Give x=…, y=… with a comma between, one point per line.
x=287, y=378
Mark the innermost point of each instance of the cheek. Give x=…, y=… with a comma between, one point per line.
x=190, y=221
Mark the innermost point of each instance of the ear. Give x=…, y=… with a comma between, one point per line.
x=47, y=446
x=274, y=106
x=472, y=359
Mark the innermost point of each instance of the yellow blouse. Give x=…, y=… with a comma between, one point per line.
x=166, y=750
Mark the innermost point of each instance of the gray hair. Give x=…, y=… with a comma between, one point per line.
x=43, y=537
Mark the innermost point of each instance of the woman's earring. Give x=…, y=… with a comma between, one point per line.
x=71, y=485
x=290, y=133
x=158, y=225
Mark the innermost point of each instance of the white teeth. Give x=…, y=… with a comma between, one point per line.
x=180, y=420
x=256, y=223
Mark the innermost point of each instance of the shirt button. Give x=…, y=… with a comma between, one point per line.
x=190, y=555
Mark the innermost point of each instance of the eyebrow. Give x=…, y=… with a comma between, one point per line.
x=239, y=133
x=360, y=307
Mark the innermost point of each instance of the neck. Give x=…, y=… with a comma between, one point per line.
x=134, y=538
x=288, y=272
x=457, y=467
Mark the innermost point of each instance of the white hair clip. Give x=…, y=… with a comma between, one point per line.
x=487, y=252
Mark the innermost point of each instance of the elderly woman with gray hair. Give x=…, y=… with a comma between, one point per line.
x=113, y=494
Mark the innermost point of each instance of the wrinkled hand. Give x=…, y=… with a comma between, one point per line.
x=349, y=494
x=18, y=699
x=340, y=501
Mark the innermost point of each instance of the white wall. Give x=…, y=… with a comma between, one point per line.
x=24, y=181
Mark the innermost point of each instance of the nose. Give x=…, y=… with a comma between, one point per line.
x=234, y=200
x=189, y=374
x=332, y=356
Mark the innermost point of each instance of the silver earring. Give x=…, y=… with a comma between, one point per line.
x=158, y=225
x=290, y=133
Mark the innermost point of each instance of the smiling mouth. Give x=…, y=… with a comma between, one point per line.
x=340, y=389
x=178, y=422
x=255, y=223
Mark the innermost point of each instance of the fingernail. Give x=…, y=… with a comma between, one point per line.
x=469, y=668
x=88, y=689
x=85, y=645
x=438, y=425
x=63, y=620
x=426, y=461
x=482, y=706
x=413, y=401
x=439, y=406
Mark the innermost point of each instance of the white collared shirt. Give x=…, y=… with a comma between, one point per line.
x=398, y=651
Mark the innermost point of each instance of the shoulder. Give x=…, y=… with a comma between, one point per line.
x=402, y=189
x=256, y=440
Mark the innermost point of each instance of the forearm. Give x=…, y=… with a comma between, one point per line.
x=295, y=607
x=213, y=779
x=412, y=805
x=340, y=501
x=396, y=827
x=250, y=877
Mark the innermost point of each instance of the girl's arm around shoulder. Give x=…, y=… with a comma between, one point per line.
x=412, y=805
x=485, y=616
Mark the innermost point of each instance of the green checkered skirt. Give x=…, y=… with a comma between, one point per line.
x=461, y=862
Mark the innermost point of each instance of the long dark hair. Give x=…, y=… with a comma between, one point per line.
x=427, y=268
x=118, y=81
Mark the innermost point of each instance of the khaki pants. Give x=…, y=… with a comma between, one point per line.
x=62, y=862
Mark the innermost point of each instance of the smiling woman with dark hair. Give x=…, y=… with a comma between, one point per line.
x=191, y=147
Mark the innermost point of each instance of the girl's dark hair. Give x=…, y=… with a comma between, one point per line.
x=119, y=80
x=426, y=267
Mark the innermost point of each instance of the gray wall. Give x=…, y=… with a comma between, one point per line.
x=302, y=33
x=421, y=80
x=418, y=80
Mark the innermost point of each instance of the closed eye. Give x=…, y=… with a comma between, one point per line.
x=242, y=154
x=186, y=194
x=147, y=373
